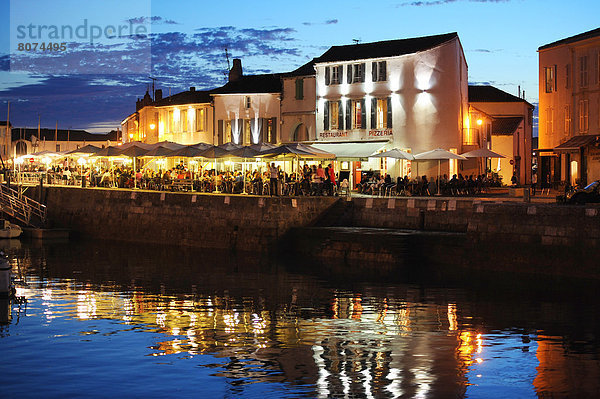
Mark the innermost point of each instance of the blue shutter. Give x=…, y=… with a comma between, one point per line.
x=326, y=116
x=348, y=114
x=373, y=113
x=383, y=71
x=327, y=77
x=363, y=71
x=363, y=116
x=374, y=72
x=340, y=74
x=340, y=116
x=349, y=74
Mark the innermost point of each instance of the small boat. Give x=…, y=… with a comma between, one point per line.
x=9, y=230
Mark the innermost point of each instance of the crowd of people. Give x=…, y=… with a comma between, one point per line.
x=311, y=180
x=424, y=186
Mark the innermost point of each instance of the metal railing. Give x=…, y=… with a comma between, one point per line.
x=21, y=207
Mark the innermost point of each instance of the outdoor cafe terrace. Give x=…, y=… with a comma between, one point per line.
x=260, y=169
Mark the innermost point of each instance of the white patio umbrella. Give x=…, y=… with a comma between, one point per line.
x=438, y=154
x=396, y=154
x=482, y=153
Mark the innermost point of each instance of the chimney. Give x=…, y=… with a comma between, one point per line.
x=158, y=95
x=192, y=89
x=236, y=71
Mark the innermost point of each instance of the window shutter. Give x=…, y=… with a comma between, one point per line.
x=389, y=112
x=274, y=131
x=349, y=74
x=340, y=116
x=373, y=113
x=299, y=89
x=340, y=73
x=374, y=72
x=220, y=130
x=326, y=116
x=348, y=114
x=383, y=71
x=363, y=116
x=362, y=72
x=327, y=77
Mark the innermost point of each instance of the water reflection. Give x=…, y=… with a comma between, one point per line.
x=262, y=324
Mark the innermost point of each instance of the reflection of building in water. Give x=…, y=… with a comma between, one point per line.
x=564, y=373
x=363, y=346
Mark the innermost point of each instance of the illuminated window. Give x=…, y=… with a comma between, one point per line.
x=568, y=119
x=200, y=119
x=247, y=131
x=583, y=115
x=549, y=73
x=170, y=121
x=299, y=89
x=379, y=71
x=334, y=112
x=358, y=114
x=227, y=134
x=381, y=113
x=583, y=71
x=184, y=120
x=549, y=121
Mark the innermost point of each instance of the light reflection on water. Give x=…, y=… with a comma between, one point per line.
x=104, y=320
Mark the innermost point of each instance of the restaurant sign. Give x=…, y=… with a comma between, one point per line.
x=345, y=135
x=381, y=133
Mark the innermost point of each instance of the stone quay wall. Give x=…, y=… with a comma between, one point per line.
x=244, y=223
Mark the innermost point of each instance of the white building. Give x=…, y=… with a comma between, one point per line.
x=247, y=109
x=409, y=94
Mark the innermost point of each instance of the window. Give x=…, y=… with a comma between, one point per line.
x=549, y=121
x=57, y=149
x=184, y=121
x=358, y=75
x=270, y=131
x=335, y=75
x=381, y=113
x=583, y=71
x=299, y=89
x=227, y=135
x=248, y=102
x=247, y=132
x=334, y=112
x=568, y=120
x=583, y=115
x=200, y=119
x=358, y=114
x=549, y=79
x=568, y=76
x=379, y=71
x=170, y=121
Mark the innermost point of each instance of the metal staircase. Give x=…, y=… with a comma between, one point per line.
x=21, y=207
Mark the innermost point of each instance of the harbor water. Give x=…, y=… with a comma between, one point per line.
x=99, y=319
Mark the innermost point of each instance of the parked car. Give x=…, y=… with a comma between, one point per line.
x=589, y=193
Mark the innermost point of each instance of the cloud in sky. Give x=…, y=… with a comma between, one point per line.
x=426, y=3
x=178, y=60
x=328, y=22
x=154, y=20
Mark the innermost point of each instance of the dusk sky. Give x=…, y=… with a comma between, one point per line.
x=94, y=86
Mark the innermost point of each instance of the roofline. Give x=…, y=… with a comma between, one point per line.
x=242, y=94
x=177, y=105
x=520, y=99
x=393, y=56
x=572, y=39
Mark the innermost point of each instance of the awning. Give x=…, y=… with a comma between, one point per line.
x=575, y=143
x=350, y=150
